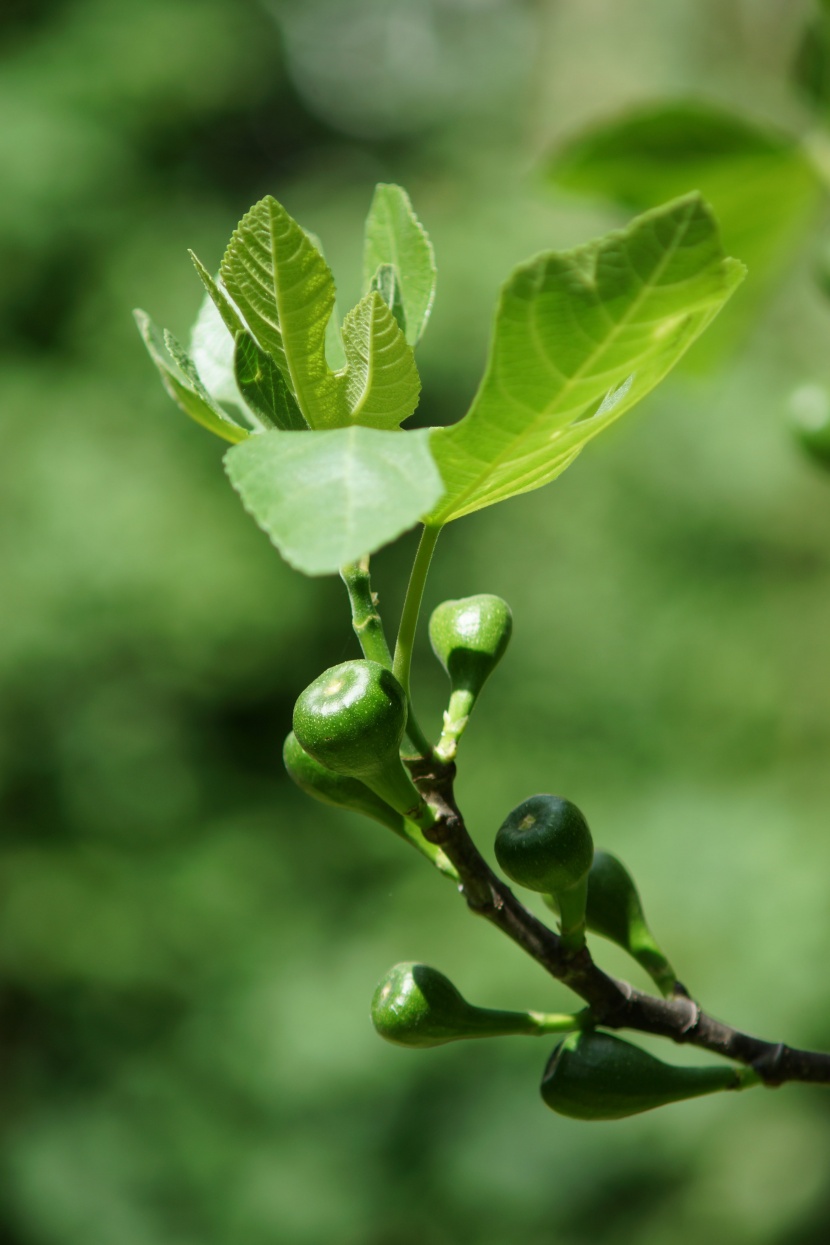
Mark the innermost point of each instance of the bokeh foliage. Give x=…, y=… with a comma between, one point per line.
x=188, y=949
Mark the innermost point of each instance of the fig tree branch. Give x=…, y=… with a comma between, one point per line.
x=614, y=1004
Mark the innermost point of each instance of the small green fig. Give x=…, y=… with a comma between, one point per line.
x=469, y=637
x=594, y=1076
x=351, y=719
x=545, y=845
x=415, y=1005
x=338, y=789
x=614, y=911
x=343, y=792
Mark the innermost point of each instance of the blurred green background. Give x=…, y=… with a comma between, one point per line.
x=187, y=946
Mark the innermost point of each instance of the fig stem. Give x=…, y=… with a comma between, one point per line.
x=412, y=833
x=402, y=662
x=366, y=620
x=456, y=717
x=367, y=625
x=555, y=1022
x=571, y=904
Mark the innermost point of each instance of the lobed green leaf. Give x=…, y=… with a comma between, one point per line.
x=284, y=289
x=382, y=382
x=211, y=350
x=760, y=181
x=327, y=498
x=181, y=380
x=396, y=238
x=579, y=337
x=263, y=386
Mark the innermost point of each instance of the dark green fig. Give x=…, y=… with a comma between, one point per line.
x=351, y=719
x=338, y=789
x=415, y=1005
x=469, y=637
x=594, y=1076
x=545, y=845
x=614, y=911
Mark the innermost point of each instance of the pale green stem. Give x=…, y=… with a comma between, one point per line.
x=491, y=1022
x=405, y=643
x=456, y=718
x=368, y=627
x=434, y=854
x=366, y=621
x=561, y=1023
x=571, y=904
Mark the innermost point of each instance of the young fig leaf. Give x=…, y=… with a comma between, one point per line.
x=760, y=181
x=385, y=281
x=263, y=386
x=328, y=498
x=594, y=1076
x=581, y=336
x=396, y=238
x=283, y=287
x=219, y=297
x=182, y=382
x=381, y=379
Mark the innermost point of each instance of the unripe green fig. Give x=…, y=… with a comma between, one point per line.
x=545, y=845
x=469, y=637
x=594, y=1076
x=351, y=719
x=415, y=1005
x=614, y=911
x=340, y=790
x=343, y=792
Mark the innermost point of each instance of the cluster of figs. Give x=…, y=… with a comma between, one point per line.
x=345, y=749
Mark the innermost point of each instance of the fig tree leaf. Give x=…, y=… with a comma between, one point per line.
x=211, y=351
x=760, y=182
x=382, y=382
x=284, y=289
x=263, y=386
x=327, y=498
x=579, y=337
x=395, y=236
x=385, y=281
x=334, y=341
x=219, y=297
x=182, y=382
